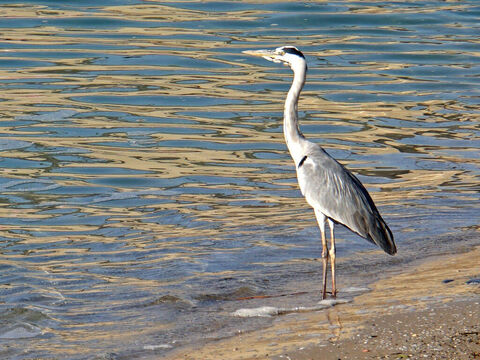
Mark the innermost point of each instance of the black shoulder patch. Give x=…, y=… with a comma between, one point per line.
x=302, y=161
x=294, y=51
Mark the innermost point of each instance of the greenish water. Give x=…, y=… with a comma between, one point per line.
x=145, y=185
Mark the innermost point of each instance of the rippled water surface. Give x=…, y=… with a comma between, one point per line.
x=145, y=185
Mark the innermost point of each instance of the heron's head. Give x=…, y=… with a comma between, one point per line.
x=288, y=55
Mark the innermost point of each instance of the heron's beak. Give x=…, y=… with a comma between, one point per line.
x=270, y=55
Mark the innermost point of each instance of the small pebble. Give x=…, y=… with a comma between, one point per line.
x=446, y=281
x=473, y=281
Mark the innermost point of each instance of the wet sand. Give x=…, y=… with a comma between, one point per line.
x=430, y=311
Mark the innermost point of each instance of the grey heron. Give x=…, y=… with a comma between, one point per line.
x=334, y=193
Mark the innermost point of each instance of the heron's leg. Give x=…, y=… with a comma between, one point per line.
x=321, y=223
x=332, y=256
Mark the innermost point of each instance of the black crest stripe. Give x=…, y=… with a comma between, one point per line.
x=294, y=51
x=302, y=161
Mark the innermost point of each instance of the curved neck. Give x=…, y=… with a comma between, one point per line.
x=293, y=135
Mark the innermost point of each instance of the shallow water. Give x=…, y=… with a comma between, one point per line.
x=145, y=184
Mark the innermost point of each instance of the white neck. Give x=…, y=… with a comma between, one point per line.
x=293, y=136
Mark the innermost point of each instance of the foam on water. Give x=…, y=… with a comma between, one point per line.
x=20, y=331
x=267, y=311
x=156, y=347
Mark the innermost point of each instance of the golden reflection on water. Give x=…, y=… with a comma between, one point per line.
x=209, y=124
x=116, y=80
x=229, y=81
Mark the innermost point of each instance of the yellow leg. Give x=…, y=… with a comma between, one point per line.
x=321, y=223
x=332, y=256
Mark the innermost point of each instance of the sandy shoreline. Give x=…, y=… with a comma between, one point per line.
x=427, y=312
x=442, y=331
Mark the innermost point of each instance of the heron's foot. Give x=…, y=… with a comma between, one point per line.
x=333, y=294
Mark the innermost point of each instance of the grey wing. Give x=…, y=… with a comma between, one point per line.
x=338, y=194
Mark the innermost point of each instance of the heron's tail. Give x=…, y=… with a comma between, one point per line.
x=381, y=235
